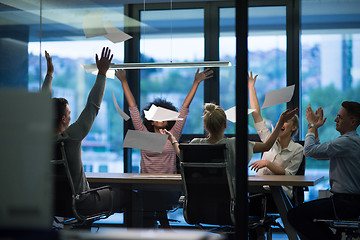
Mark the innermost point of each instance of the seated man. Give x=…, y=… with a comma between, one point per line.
x=344, y=155
x=73, y=135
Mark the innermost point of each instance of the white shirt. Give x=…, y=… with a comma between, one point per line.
x=288, y=158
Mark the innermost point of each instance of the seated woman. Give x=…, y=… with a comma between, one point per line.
x=215, y=124
x=285, y=156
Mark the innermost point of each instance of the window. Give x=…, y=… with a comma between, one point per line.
x=330, y=69
x=103, y=144
x=267, y=58
x=172, y=36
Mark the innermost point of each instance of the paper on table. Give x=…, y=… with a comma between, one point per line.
x=114, y=34
x=118, y=109
x=231, y=113
x=279, y=96
x=93, y=25
x=161, y=114
x=154, y=142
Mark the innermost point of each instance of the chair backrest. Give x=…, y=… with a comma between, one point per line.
x=209, y=197
x=298, y=192
x=63, y=185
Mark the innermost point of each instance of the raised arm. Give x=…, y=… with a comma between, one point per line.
x=285, y=116
x=199, y=77
x=83, y=124
x=121, y=75
x=49, y=74
x=254, y=102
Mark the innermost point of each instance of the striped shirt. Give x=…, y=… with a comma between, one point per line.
x=165, y=162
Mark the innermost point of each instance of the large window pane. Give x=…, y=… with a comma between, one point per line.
x=330, y=70
x=267, y=57
x=63, y=37
x=172, y=36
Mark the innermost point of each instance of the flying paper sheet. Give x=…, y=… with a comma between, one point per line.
x=118, y=109
x=279, y=96
x=161, y=114
x=114, y=34
x=93, y=25
x=231, y=113
x=154, y=142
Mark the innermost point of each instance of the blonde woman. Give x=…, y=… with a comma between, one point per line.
x=215, y=124
x=285, y=156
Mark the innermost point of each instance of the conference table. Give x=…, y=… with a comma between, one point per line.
x=173, y=182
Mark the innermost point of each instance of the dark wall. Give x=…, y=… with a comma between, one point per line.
x=14, y=56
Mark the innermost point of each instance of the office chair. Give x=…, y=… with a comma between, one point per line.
x=65, y=199
x=350, y=227
x=209, y=194
x=298, y=198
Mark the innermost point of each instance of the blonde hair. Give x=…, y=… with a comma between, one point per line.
x=295, y=121
x=214, y=118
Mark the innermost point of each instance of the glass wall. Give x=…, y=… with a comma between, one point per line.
x=59, y=29
x=267, y=58
x=172, y=36
x=330, y=66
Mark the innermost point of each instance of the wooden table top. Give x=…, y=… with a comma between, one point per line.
x=147, y=178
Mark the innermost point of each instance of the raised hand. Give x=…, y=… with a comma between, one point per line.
x=104, y=63
x=316, y=118
x=251, y=80
x=121, y=75
x=50, y=66
x=199, y=77
x=287, y=115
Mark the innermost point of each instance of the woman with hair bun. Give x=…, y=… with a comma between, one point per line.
x=215, y=124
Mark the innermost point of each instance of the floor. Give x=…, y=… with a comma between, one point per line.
x=178, y=223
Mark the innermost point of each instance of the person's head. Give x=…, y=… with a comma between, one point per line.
x=61, y=114
x=348, y=117
x=150, y=125
x=290, y=127
x=214, y=119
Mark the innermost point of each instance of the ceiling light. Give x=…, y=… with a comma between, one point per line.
x=92, y=67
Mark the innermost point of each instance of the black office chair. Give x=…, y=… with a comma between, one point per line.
x=350, y=227
x=209, y=194
x=65, y=200
x=298, y=192
x=298, y=198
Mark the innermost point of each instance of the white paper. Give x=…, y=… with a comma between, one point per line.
x=161, y=114
x=279, y=96
x=231, y=114
x=93, y=25
x=118, y=109
x=154, y=142
x=114, y=34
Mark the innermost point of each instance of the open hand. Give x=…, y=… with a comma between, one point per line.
x=258, y=165
x=287, y=115
x=251, y=80
x=104, y=63
x=199, y=77
x=121, y=75
x=50, y=66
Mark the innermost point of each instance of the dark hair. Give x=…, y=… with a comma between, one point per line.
x=353, y=109
x=59, y=105
x=159, y=103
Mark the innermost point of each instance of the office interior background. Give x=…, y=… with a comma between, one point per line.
x=328, y=62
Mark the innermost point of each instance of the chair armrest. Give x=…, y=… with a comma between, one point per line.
x=96, y=189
